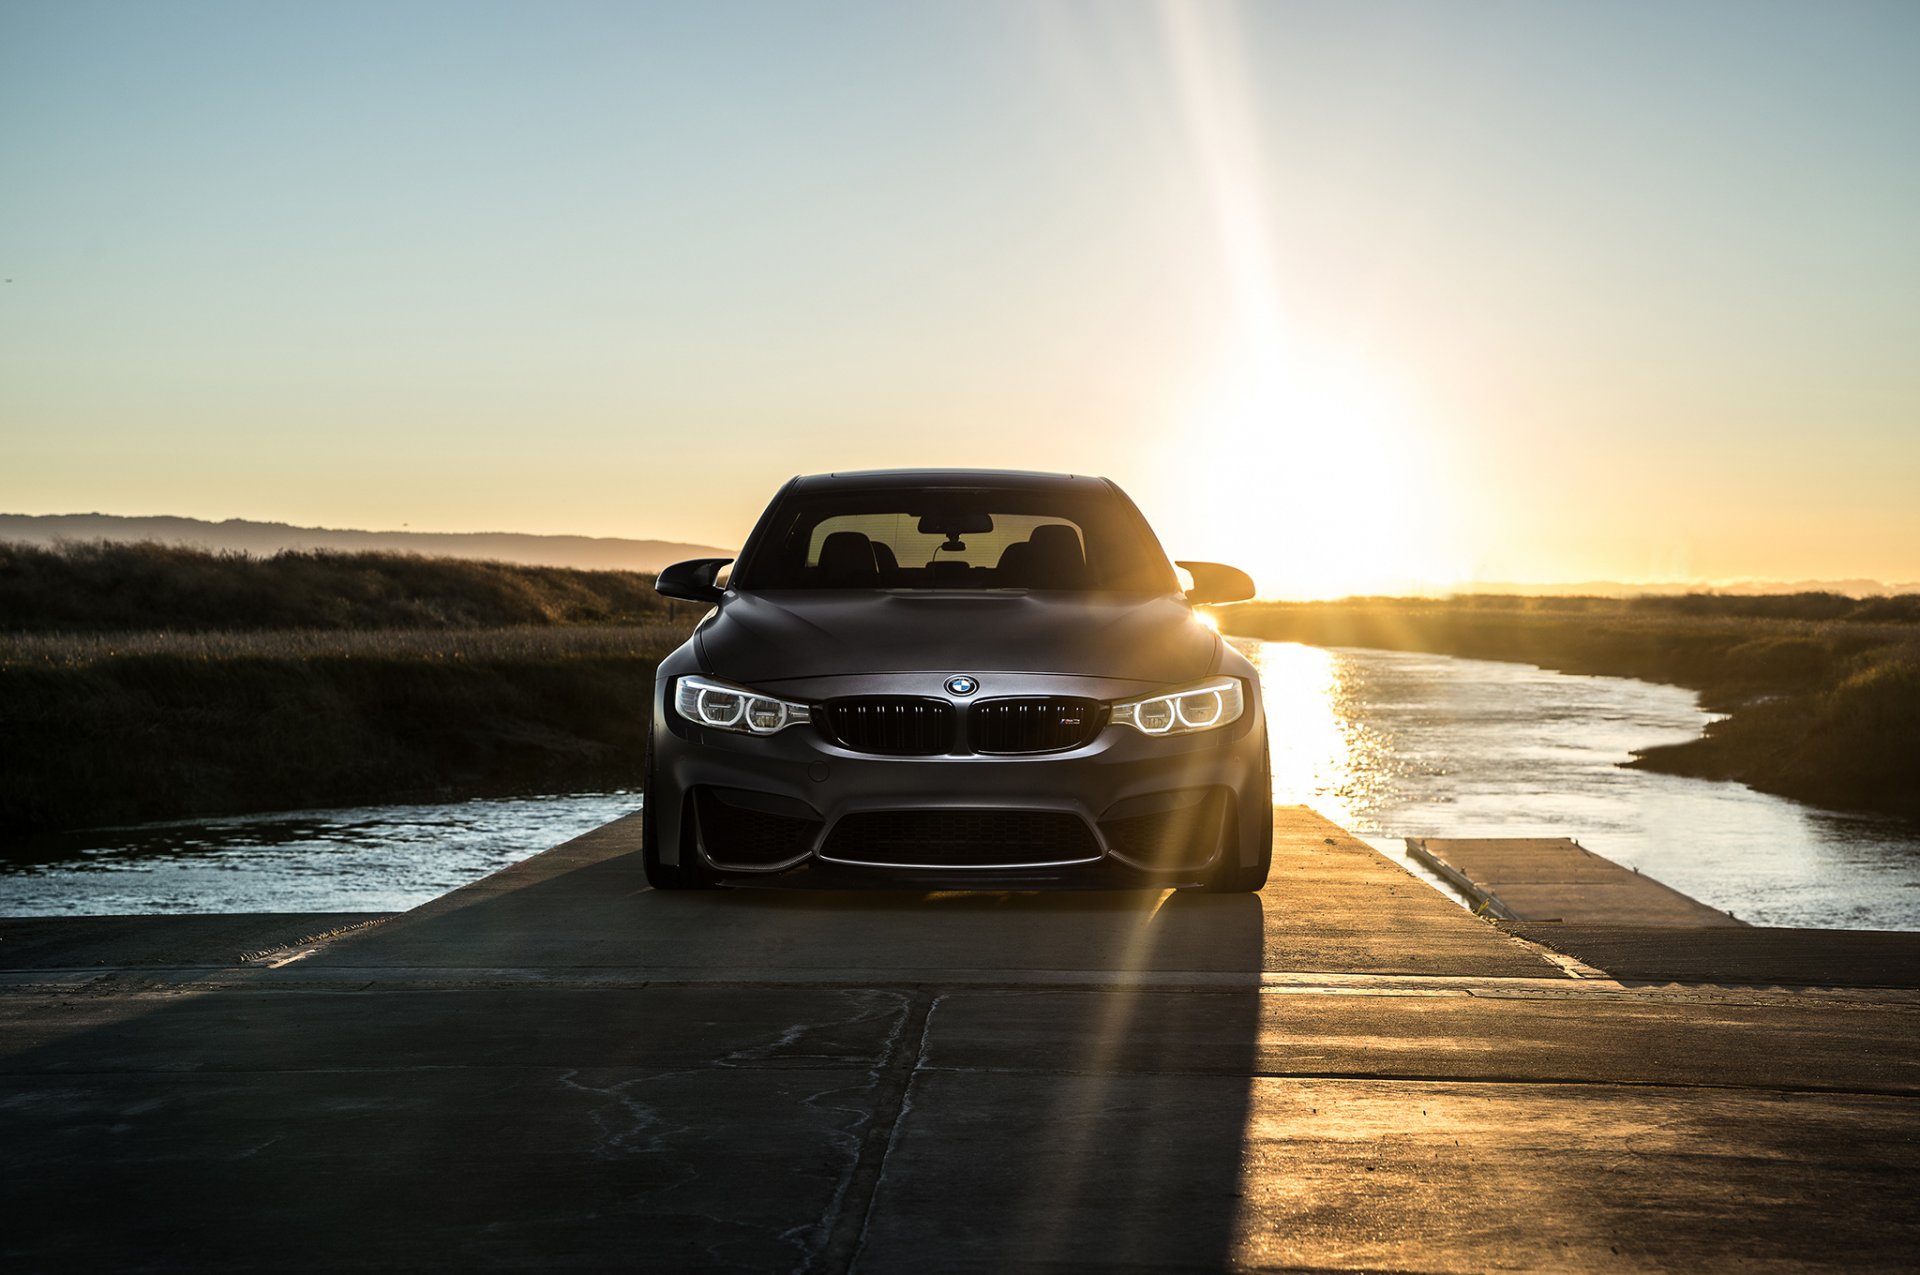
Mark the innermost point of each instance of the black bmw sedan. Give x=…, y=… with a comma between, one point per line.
x=952, y=678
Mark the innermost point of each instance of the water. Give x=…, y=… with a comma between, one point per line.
x=1389, y=744
x=374, y=859
x=1395, y=744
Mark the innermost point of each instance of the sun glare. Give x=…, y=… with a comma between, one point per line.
x=1304, y=469
x=1308, y=475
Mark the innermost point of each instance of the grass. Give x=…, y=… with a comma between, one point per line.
x=108, y=587
x=101, y=731
x=143, y=682
x=498, y=645
x=1822, y=691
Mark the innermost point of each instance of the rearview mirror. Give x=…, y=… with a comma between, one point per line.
x=692, y=580
x=1215, y=583
x=956, y=522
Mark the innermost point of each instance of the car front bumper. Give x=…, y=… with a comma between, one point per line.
x=1125, y=808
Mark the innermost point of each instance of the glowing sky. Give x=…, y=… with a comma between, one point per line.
x=1356, y=295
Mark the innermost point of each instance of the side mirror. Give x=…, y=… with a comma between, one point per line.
x=1214, y=583
x=692, y=580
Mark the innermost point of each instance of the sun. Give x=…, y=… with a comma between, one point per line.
x=1309, y=470
x=1309, y=474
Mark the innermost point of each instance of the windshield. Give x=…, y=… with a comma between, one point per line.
x=956, y=538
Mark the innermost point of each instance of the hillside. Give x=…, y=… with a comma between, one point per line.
x=592, y=553
x=96, y=587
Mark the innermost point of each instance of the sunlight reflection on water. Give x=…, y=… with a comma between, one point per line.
x=1394, y=744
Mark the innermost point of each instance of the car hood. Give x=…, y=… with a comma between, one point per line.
x=765, y=637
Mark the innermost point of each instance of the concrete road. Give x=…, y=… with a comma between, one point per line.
x=559, y=1068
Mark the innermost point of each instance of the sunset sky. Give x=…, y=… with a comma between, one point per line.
x=1359, y=296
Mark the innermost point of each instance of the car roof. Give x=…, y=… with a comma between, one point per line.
x=870, y=479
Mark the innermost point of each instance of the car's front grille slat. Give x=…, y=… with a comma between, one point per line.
x=1034, y=723
x=920, y=726
x=890, y=725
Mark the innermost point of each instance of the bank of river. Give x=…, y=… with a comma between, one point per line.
x=1390, y=744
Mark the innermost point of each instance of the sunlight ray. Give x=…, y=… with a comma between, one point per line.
x=1305, y=457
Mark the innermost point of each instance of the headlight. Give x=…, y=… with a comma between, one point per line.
x=724, y=707
x=1201, y=707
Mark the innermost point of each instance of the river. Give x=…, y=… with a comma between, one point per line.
x=1396, y=744
x=1390, y=744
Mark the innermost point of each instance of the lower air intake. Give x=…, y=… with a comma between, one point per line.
x=744, y=830
x=1184, y=836
x=961, y=838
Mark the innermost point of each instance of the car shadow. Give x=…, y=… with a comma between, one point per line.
x=562, y=1066
x=1096, y=1124
x=1082, y=1089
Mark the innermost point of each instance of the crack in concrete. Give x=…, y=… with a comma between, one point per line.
x=615, y=1099
x=847, y=1217
x=812, y=1240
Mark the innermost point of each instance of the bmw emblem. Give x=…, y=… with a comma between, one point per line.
x=962, y=685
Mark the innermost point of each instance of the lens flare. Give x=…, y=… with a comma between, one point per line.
x=1302, y=462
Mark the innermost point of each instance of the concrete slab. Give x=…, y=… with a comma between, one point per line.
x=123, y=942
x=469, y=1168
x=314, y=1132
x=1744, y=954
x=1333, y=904
x=1556, y=879
x=1575, y=1040
x=559, y=1068
x=1156, y=1172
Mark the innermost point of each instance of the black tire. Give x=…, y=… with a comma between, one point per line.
x=1233, y=878
x=662, y=876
